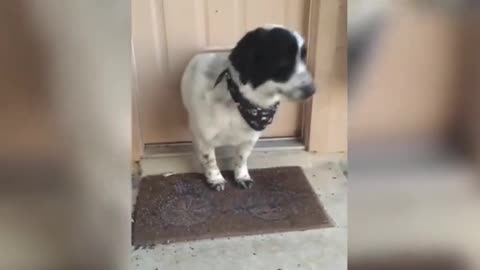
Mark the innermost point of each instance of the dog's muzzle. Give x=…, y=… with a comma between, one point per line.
x=307, y=90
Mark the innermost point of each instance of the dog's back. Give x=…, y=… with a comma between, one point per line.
x=199, y=77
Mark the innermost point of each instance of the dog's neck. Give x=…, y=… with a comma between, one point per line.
x=264, y=96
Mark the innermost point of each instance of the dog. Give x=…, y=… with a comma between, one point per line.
x=231, y=97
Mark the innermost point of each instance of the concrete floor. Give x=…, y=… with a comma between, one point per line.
x=314, y=249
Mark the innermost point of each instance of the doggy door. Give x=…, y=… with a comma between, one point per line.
x=166, y=34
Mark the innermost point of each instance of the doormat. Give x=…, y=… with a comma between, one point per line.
x=181, y=207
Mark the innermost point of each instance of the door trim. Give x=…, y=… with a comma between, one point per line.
x=137, y=142
x=325, y=115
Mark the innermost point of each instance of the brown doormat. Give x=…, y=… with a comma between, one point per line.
x=181, y=207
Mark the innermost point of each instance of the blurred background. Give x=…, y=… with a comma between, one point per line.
x=414, y=96
x=65, y=134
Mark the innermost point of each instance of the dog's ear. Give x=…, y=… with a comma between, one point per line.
x=243, y=55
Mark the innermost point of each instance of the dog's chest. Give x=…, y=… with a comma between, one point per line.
x=228, y=127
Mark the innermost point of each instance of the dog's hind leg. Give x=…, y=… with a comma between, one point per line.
x=242, y=176
x=206, y=156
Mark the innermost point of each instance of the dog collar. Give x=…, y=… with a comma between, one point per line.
x=257, y=118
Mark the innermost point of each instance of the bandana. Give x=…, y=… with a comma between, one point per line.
x=257, y=118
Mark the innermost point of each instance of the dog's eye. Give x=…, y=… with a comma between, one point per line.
x=303, y=53
x=282, y=71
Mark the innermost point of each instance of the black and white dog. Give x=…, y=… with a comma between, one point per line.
x=231, y=98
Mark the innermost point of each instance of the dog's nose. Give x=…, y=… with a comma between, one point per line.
x=307, y=90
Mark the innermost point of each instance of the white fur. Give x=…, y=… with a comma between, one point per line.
x=214, y=119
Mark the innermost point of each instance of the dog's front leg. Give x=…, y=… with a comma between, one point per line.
x=242, y=176
x=206, y=156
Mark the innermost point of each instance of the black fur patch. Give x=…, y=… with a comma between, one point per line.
x=265, y=54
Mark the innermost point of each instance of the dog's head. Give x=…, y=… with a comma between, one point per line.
x=273, y=58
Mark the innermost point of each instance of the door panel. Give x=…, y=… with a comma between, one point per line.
x=167, y=33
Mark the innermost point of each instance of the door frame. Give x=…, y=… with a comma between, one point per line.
x=138, y=145
x=324, y=121
x=325, y=115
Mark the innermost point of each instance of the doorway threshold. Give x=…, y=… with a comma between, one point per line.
x=186, y=148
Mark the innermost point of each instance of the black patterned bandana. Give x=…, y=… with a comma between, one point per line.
x=256, y=117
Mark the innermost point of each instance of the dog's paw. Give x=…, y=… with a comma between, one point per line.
x=217, y=184
x=218, y=187
x=245, y=183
